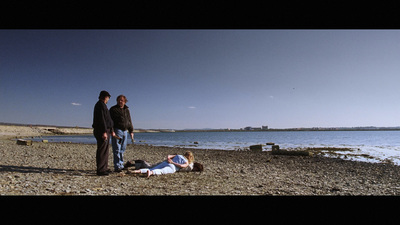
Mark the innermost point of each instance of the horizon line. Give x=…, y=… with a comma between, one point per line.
x=269, y=128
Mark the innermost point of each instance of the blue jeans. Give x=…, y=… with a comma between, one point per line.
x=119, y=148
x=160, y=169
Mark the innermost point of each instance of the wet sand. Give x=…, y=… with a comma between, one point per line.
x=69, y=169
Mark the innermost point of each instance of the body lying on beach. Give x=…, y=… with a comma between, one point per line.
x=173, y=164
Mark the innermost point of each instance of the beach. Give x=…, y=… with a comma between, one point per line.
x=69, y=169
x=15, y=131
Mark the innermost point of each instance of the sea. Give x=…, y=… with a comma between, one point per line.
x=369, y=146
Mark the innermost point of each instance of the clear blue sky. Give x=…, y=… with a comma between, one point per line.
x=203, y=78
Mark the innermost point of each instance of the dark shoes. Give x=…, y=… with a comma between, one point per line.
x=118, y=170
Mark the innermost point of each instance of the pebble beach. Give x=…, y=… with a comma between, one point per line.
x=69, y=169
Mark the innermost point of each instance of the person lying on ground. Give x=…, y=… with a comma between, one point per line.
x=141, y=164
x=171, y=165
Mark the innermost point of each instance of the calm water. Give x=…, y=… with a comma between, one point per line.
x=380, y=145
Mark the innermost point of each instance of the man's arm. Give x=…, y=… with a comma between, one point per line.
x=130, y=127
x=170, y=157
x=181, y=165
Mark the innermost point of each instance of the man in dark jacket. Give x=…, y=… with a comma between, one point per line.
x=102, y=127
x=122, y=125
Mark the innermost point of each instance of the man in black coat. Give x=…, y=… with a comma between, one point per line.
x=122, y=125
x=102, y=127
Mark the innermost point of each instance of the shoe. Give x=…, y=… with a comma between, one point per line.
x=104, y=173
x=118, y=170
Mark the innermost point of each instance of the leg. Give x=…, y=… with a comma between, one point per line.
x=141, y=170
x=119, y=148
x=140, y=164
x=123, y=149
x=101, y=153
x=165, y=170
x=115, y=147
x=137, y=171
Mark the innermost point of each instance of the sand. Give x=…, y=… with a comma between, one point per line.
x=69, y=169
x=13, y=131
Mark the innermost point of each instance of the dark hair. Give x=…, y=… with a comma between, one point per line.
x=122, y=96
x=103, y=94
x=197, y=167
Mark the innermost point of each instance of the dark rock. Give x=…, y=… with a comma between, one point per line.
x=257, y=148
x=275, y=147
x=24, y=142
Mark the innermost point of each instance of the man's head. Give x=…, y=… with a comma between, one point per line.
x=121, y=101
x=104, y=96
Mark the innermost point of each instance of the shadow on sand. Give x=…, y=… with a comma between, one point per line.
x=31, y=169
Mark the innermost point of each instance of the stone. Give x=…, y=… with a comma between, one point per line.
x=24, y=142
x=256, y=148
x=275, y=147
x=293, y=153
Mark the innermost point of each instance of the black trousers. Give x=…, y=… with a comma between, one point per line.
x=102, y=151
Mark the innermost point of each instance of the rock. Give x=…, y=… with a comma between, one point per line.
x=275, y=147
x=196, y=142
x=24, y=142
x=256, y=148
x=270, y=143
x=293, y=153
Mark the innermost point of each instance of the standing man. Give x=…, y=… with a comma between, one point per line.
x=102, y=127
x=122, y=125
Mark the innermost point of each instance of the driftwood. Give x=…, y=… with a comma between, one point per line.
x=24, y=142
x=293, y=153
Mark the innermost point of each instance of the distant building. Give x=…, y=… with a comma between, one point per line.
x=256, y=128
x=247, y=128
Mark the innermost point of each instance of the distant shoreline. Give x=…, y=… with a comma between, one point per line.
x=17, y=131
x=10, y=129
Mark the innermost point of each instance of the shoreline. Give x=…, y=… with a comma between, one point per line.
x=332, y=151
x=21, y=131
x=69, y=169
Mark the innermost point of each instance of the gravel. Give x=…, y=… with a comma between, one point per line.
x=69, y=169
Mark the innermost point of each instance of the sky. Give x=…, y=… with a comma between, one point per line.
x=186, y=79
